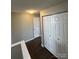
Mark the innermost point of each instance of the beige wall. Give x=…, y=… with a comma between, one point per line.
x=22, y=26
x=52, y=10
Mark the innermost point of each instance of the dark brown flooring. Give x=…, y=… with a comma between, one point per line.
x=38, y=52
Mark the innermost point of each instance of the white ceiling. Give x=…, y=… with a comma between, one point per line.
x=21, y=5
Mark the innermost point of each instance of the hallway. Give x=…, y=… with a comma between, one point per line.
x=40, y=23
x=38, y=52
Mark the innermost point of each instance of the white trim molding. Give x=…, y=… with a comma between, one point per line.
x=25, y=52
x=24, y=49
x=15, y=44
x=32, y=39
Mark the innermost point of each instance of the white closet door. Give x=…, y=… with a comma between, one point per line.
x=56, y=34
x=53, y=35
x=62, y=33
x=47, y=32
x=36, y=26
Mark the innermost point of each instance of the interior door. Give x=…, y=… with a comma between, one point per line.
x=53, y=34
x=61, y=35
x=47, y=32
x=56, y=34
x=36, y=26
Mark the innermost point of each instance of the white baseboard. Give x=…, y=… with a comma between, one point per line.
x=25, y=52
x=15, y=44
x=24, y=49
x=42, y=45
x=61, y=56
x=31, y=39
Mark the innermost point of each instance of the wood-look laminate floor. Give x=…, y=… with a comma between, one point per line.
x=38, y=52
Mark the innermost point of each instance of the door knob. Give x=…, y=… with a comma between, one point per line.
x=58, y=39
x=49, y=35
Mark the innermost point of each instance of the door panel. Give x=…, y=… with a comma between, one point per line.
x=36, y=26
x=47, y=35
x=62, y=36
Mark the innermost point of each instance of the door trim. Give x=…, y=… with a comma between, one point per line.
x=55, y=13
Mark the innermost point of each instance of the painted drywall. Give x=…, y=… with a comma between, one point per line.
x=22, y=26
x=21, y=5
x=61, y=7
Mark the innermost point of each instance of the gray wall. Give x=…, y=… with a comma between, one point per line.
x=16, y=52
x=22, y=26
x=54, y=9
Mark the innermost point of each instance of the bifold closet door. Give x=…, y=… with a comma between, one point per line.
x=61, y=35
x=47, y=32
x=51, y=32
x=56, y=34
